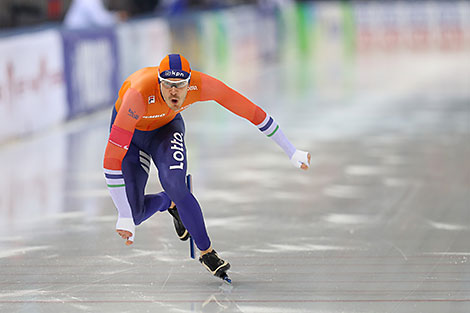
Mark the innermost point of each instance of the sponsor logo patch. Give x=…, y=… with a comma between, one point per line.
x=172, y=73
x=132, y=114
x=151, y=99
x=154, y=116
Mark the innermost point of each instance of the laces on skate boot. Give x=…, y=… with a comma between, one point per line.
x=215, y=265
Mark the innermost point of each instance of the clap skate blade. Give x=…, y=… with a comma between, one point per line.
x=225, y=278
x=222, y=274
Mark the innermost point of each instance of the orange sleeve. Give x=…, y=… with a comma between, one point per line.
x=130, y=112
x=214, y=89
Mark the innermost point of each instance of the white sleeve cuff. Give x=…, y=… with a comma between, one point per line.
x=126, y=224
x=271, y=129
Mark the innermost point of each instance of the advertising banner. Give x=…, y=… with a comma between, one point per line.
x=243, y=42
x=32, y=89
x=213, y=47
x=141, y=44
x=91, y=69
x=230, y=51
x=413, y=26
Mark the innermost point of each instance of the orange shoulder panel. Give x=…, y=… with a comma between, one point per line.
x=144, y=81
x=131, y=111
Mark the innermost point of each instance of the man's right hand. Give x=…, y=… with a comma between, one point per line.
x=126, y=229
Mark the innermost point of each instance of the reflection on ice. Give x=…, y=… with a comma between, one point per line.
x=33, y=180
x=446, y=226
x=284, y=248
x=349, y=219
x=343, y=191
x=5, y=253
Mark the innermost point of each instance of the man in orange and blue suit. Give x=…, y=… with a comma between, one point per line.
x=146, y=125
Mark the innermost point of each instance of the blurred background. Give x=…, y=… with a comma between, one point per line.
x=377, y=91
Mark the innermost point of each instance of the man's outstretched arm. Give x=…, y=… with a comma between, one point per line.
x=120, y=137
x=214, y=89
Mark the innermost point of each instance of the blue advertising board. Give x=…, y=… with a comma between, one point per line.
x=91, y=69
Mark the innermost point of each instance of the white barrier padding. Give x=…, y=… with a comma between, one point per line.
x=141, y=44
x=32, y=89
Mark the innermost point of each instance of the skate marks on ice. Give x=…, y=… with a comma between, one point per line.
x=8, y=253
x=349, y=219
x=344, y=191
x=447, y=226
x=306, y=247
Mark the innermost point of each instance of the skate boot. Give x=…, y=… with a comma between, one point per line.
x=181, y=231
x=216, y=265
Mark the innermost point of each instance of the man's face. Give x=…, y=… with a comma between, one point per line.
x=175, y=93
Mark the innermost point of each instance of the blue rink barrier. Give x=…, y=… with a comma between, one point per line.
x=91, y=69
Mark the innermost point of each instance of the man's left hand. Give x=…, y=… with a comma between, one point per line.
x=301, y=159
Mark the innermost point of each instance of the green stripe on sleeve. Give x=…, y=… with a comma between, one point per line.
x=113, y=186
x=277, y=127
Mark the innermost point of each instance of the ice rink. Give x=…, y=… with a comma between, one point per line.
x=380, y=222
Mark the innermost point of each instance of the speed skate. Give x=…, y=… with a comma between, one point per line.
x=216, y=266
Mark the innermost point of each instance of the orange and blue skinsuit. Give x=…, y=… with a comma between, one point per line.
x=144, y=128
